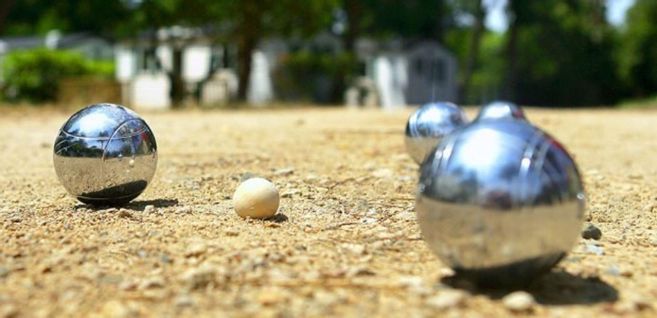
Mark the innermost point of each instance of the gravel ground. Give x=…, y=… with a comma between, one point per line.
x=345, y=241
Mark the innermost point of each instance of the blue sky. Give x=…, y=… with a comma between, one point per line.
x=496, y=18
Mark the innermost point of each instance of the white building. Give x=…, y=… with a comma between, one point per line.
x=409, y=73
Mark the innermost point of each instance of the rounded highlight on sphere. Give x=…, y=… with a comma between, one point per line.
x=428, y=125
x=105, y=154
x=500, y=202
x=501, y=110
x=256, y=198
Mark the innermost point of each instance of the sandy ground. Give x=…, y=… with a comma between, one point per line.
x=345, y=242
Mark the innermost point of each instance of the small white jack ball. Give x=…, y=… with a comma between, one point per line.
x=256, y=198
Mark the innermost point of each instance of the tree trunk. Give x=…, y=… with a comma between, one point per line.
x=354, y=11
x=473, y=53
x=177, y=83
x=245, y=48
x=511, y=52
x=4, y=12
x=249, y=32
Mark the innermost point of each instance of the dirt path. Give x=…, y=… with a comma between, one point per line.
x=346, y=240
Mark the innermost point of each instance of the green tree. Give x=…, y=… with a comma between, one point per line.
x=28, y=17
x=560, y=53
x=637, y=50
x=247, y=22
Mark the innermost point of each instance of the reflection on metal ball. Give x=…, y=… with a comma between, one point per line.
x=105, y=154
x=501, y=110
x=428, y=125
x=500, y=202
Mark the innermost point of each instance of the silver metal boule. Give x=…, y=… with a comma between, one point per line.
x=105, y=154
x=501, y=110
x=500, y=202
x=428, y=125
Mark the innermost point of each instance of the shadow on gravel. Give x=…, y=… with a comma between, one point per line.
x=554, y=288
x=138, y=205
x=158, y=203
x=278, y=218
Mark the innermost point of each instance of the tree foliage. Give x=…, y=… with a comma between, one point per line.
x=560, y=53
x=555, y=52
x=34, y=75
x=637, y=49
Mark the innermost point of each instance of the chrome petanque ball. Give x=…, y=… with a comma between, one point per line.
x=501, y=110
x=105, y=154
x=500, y=202
x=428, y=125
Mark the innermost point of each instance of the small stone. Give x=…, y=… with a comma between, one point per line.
x=184, y=301
x=123, y=213
x=355, y=249
x=594, y=249
x=109, y=210
x=382, y=173
x=447, y=299
x=8, y=311
x=184, y=210
x=359, y=271
x=270, y=297
x=4, y=272
x=196, y=249
x=128, y=285
x=290, y=193
x=519, y=301
x=114, y=308
x=231, y=232
x=591, y=232
x=199, y=277
x=149, y=208
x=284, y=171
x=153, y=282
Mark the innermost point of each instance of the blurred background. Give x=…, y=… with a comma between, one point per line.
x=160, y=54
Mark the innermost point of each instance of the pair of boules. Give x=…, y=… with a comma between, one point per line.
x=499, y=200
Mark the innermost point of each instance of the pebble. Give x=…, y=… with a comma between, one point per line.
x=414, y=284
x=290, y=193
x=383, y=173
x=184, y=301
x=199, y=277
x=196, y=249
x=4, y=272
x=519, y=301
x=128, y=285
x=149, y=208
x=356, y=249
x=594, y=249
x=114, y=308
x=231, y=232
x=591, y=232
x=184, y=210
x=125, y=214
x=614, y=270
x=284, y=171
x=447, y=299
x=9, y=311
x=153, y=282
